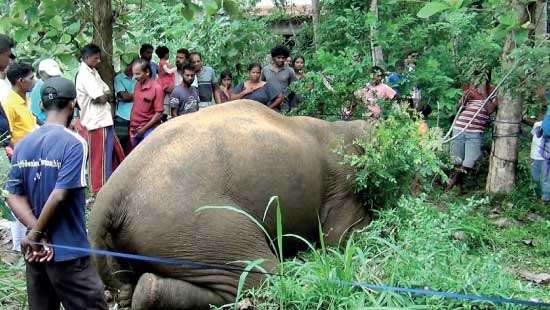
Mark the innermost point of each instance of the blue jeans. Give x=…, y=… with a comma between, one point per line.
x=539, y=172
x=466, y=148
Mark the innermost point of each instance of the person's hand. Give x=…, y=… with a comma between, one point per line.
x=346, y=113
x=169, y=89
x=140, y=132
x=538, y=132
x=109, y=96
x=35, y=248
x=375, y=109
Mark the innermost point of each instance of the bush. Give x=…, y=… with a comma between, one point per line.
x=330, y=82
x=397, y=158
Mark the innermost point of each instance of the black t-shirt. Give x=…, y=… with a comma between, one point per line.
x=265, y=94
x=4, y=128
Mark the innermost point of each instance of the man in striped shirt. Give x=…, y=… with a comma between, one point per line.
x=469, y=127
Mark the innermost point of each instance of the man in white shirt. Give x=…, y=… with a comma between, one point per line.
x=6, y=44
x=94, y=99
x=539, y=168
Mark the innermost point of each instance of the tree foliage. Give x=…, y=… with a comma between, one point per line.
x=453, y=38
x=59, y=28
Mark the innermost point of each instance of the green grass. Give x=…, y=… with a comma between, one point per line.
x=12, y=286
x=412, y=245
x=12, y=277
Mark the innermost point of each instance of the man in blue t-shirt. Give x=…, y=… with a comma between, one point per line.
x=46, y=193
x=124, y=90
x=47, y=68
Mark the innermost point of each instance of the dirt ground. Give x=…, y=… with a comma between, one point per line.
x=7, y=255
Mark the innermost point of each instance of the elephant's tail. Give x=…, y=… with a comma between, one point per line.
x=103, y=225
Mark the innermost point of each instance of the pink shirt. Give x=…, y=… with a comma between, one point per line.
x=370, y=95
x=165, y=79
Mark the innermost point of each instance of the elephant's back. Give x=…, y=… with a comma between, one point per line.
x=239, y=153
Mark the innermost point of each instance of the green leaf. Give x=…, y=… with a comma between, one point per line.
x=521, y=35
x=65, y=59
x=456, y=4
x=432, y=8
x=20, y=35
x=232, y=52
x=527, y=25
x=51, y=34
x=74, y=27
x=508, y=20
x=188, y=11
x=242, y=277
x=127, y=58
x=231, y=7
x=210, y=7
x=57, y=22
x=65, y=38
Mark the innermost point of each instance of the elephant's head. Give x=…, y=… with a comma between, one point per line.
x=353, y=130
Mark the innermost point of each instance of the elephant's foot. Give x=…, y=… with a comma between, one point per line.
x=154, y=292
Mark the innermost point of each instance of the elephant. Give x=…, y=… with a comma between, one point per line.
x=239, y=154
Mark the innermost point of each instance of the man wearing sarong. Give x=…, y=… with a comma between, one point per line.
x=93, y=98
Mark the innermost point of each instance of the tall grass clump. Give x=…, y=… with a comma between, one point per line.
x=414, y=245
x=13, y=294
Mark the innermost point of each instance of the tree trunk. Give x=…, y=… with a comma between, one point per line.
x=103, y=37
x=376, y=49
x=315, y=19
x=541, y=18
x=504, y=152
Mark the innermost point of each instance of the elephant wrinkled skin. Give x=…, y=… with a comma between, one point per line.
x=240, y=154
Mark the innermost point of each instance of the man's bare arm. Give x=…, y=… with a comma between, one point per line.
x=22, y=210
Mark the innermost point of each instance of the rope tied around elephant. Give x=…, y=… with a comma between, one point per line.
x=359, y=284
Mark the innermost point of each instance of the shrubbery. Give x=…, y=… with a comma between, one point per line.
x=397, y=158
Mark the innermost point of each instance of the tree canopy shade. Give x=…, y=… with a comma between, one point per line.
x=59, y=28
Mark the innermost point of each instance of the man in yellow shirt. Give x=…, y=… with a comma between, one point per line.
x=21, y=122
x=20, y=117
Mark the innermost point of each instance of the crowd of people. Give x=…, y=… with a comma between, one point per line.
x=56, y=131
x=50, y=161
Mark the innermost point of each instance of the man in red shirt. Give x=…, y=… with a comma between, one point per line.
x=148, y=103
x=468, y=130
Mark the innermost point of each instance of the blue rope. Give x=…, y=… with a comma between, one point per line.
x=151, y=259
x=380, y=288
x=451, y=295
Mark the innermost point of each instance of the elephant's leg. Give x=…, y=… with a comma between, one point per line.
x=154, y=292
x=340, y=216
x=209, y=287
x=118, y=277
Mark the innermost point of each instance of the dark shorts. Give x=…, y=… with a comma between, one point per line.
x=74, y=283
